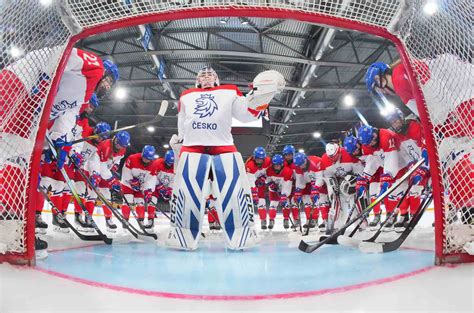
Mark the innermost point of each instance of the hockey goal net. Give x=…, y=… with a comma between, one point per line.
x=435, y=45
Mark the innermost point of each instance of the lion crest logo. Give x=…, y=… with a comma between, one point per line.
x=205, y=105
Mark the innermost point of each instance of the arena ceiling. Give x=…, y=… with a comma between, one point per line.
x=321, y=65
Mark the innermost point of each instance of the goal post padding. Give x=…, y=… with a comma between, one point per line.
x=401, y=22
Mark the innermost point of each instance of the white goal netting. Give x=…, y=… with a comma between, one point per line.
x=438, y=44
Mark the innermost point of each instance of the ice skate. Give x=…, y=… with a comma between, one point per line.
x=375, y=222
x=271, y=224
x=40, y=225
x=286, y=223
x=60, y=225
x=111, y=227
x=401, y=222
x=263, y=224
x=150, y=224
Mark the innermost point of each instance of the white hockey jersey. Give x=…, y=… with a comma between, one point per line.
x=135, y=169
x=205, y=115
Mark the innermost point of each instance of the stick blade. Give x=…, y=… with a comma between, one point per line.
x=371, y=247
x=163, y=108
x=303, y=246
x=348, y=241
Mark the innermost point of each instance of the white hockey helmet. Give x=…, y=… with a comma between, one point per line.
x=207, y=78
x=333, y=151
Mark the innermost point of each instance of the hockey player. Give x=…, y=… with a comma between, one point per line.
x=353, y=147
x=279, y=181
x=382, y=148
x=337, y=164
x=256, y=167
x=164, y=183
x=204, y=125
x=308, y=169
x=111, y=152
x=138, y=182
x=413, y=148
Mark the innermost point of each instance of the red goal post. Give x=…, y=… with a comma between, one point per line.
x=436, y=50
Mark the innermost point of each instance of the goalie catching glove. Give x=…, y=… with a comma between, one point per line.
x=265, y=86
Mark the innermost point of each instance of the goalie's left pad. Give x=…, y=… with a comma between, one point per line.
x=233, y=201
x=190, y=188
x=265, y=86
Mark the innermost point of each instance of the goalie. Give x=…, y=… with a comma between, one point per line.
x=204, y=130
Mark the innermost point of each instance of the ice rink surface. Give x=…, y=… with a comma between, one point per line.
x=133, y=276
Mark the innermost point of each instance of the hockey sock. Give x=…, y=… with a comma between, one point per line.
x=126, y=211
x=90, y=206
x=324, y=212
x=307, y=212
x=377, y=209
x=272, y=213
x=141, y=211
x=66, y=201
x=107, y=211
x=295, y=213
x=77, y=207
x=151, y=212
x=390, y=205
x=39, y=202
x=315, y=214
x=57, y=201
x=404, y=206
x=414, y=204
x=262, y=213
x=286, y=213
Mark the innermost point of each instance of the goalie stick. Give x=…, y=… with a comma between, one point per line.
x=382, y=247
x=135, y=232
x=68, y=181
x=305, y=247
x=74, y=230
x=156, y=119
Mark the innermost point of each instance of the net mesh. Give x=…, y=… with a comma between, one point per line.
x=439, y=47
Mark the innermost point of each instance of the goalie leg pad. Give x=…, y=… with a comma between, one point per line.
x=234, y=202
x=190, y=189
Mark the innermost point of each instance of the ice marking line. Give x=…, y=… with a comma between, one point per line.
x=235, y=298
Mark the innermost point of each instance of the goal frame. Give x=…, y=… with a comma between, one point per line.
x=308, y=17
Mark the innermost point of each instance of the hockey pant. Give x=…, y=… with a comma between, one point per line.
x=233, y=201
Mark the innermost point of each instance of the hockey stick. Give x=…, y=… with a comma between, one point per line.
x=135, y=232
x=156, y=119
x=379, y=231
x=145, y=233
x=74, y=230
x=334, y=241
x=378, y=247
x=303, y=246
x=349, y=240
x=68, y=181
x=315, y=207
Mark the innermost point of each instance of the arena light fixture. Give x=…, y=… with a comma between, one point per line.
x=166, y=146
x=120, y=93
x=16, y=52
x=224, y=20
x=348, y=100
x=301, y=150
x=317, y=135
x=151, y=129
x=430, y=7
x=45, y=3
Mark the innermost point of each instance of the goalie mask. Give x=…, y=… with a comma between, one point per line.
x=207, y=78
x=333, y=151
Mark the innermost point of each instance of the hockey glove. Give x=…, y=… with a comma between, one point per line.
x=386, y=180
x=424, y=155
x=63, y=148
x=273, y=187
x=166, y=193
x=315, y=193
x=260, y=182
x=254, y=191
x=95, y=179
x=283, y=201
x=148, y=195
x=77, y=159
x=361, y=185
x=419, y=174
x=298, y=195
x=135, y=184
x=114, y=184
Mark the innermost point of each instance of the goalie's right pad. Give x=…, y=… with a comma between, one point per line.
x=265, y=86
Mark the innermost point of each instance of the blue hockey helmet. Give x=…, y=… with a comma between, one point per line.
x=111, y=69
x=123, y=138
x=289, y=149
x=259, y=153
x=374, y=70
x=350, y=144
x=277, y=159
x=102, y=127
x=148, y=152
x=169, y=157
x=94, y=101
x=365, y=134
x=299, y=158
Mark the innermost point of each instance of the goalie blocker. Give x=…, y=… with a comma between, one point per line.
x=233, y=202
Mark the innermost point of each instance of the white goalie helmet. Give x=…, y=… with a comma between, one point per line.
x=348, y=185
x=207, y=78
x=333, y=151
